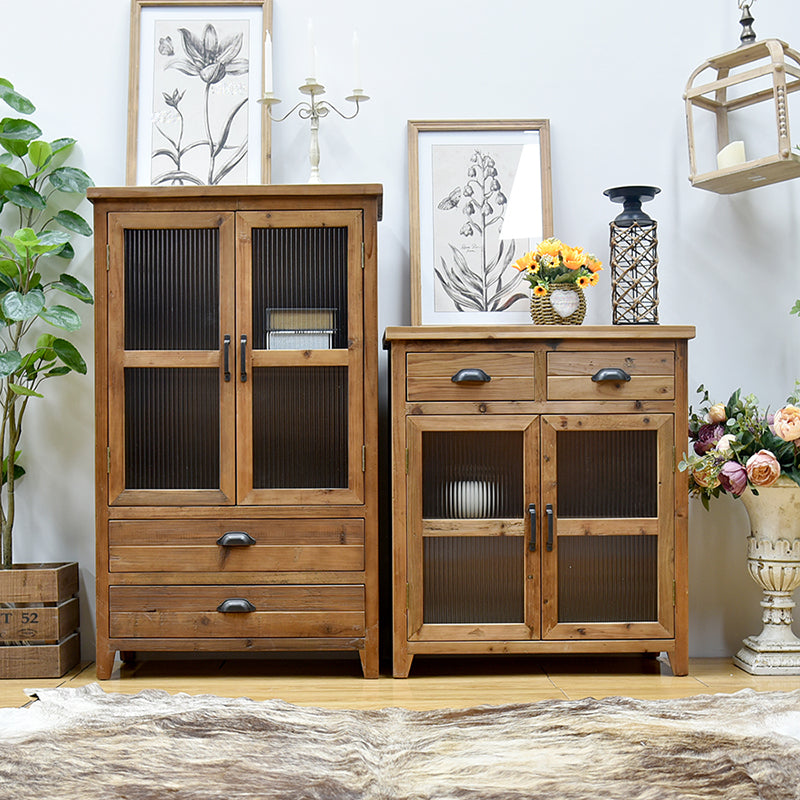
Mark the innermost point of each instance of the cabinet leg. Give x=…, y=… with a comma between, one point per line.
x=402, y=664
x=679, y=659
x=105, y=663
x=369, y=661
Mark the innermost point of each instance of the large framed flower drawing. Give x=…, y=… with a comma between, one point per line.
x=480, y=196
x=195, y=76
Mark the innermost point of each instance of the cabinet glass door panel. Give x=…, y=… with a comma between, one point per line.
x=308, y=449
x=299, y=391
x=171, y=416
x=470, y=529
x=607, y=480
x=170, y=307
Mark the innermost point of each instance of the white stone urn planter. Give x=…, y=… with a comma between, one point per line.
x=773, y=560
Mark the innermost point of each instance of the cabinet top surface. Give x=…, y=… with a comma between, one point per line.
x=535, y=332
x=256, y=190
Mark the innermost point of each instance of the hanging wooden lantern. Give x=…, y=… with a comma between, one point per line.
x=745, y=141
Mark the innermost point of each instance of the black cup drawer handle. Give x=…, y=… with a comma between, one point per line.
x=610, y=374
x=235, y=539
x=235, y=605
x=471, y=375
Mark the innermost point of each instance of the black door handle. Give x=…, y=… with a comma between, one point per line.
x=549, y=513
x=243, y=357
x=532, y=512
x=235, y=605
x=226, y=350
x=471, y=375
x=610, y=374
x=235, y=539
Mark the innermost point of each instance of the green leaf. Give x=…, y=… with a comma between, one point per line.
x=795, y=308
x=70, y=179
x=17, y=306
x=10, y=362
x=10, y=178
x=60, y=145
x=40, y=153
x=6, y=158
x=21, y=130
x=61, y=317
x=9, y=268
x=66, y=251
x=73, y=222
x=45, y=340
x=69, y=354
x=26, y=241
x=25, y=197
x=17, y=101
x=24, y=390
x=72, y=286
x=56, y=371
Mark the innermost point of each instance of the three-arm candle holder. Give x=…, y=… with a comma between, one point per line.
x=313, y=110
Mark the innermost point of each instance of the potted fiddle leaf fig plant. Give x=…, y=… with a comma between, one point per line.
x=36, y=229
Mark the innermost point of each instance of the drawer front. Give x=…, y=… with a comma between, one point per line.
x=278, y=545
x=650, y=375
x=211, y=611
x=430, y=376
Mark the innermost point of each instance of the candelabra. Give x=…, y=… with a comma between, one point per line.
x=313, y=110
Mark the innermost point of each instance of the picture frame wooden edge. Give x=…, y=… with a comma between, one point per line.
x=133, y=78
x=415, y=127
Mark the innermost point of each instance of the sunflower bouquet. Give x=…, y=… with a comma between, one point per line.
x=554, y=263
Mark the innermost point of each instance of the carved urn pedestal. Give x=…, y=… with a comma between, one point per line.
x=773, y=560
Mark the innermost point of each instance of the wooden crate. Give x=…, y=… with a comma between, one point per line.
x=39, y=620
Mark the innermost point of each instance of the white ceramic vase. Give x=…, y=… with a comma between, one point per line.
x=773, y=561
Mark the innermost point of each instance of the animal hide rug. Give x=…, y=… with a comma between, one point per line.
x=84, y=744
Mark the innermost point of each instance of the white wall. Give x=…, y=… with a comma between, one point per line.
x=608, y=75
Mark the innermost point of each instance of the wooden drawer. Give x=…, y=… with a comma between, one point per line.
x=199, y=611
x=651, y=375
x=279, y=545
x=430, y=376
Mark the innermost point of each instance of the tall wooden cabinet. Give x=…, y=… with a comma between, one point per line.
x=236, y=386
x=537, y=505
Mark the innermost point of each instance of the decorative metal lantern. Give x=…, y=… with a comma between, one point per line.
x=748, y=129
x=634, y=258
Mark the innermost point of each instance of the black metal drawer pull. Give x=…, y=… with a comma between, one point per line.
x=227, y=356
x=610, y=374
x=532, y=512
x=235, y=539
x=471, y=375
x=243, y=357
x=549, y=513
x=235, y=605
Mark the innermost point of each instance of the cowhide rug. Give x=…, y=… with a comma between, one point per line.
x=84, y=744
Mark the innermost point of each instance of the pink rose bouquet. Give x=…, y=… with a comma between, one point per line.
x=736, y=445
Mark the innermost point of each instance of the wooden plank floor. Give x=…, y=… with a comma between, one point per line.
x=439, y=682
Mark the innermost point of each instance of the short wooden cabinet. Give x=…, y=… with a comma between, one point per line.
x=236, y=385
x=537, y=505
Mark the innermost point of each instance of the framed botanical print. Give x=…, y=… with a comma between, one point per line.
x=480, y=197
x=196, y=73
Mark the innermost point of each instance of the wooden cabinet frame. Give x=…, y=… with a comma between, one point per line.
x=311, y=570
x=543, y=382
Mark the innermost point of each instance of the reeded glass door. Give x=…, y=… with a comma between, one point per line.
x=300, y=348
x=171, y=408
x=608, y=530
x=472, y=535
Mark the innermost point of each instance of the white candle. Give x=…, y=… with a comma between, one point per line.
x=731, y=155
x=356, y=62
x=312, y=51
x=267, y=63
